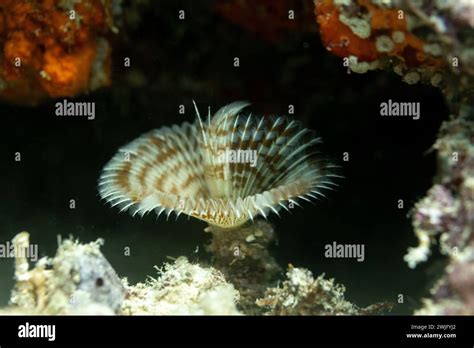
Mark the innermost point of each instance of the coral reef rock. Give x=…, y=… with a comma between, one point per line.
x=445, y=216
x=301, y=294
x=78, y=280
x=183, y=288
x=453, y=294
x=422, y=41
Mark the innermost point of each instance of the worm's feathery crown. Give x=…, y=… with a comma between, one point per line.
x=187, y=168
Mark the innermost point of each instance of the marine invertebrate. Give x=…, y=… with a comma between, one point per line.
x=54, y=48
x=225, y=170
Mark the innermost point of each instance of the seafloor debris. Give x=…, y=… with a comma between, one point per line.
x=77, y=280
x=54, y=48
x=301, y=294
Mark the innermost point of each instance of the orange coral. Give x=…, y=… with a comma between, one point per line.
x=268, y=19
x=51, y=46
x=339, y=38
x=342, y=41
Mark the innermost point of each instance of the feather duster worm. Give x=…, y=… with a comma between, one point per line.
x=224, y=170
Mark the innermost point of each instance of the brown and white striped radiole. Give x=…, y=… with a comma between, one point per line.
x=180, y=169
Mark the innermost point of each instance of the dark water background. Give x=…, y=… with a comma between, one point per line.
x=174, y=62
